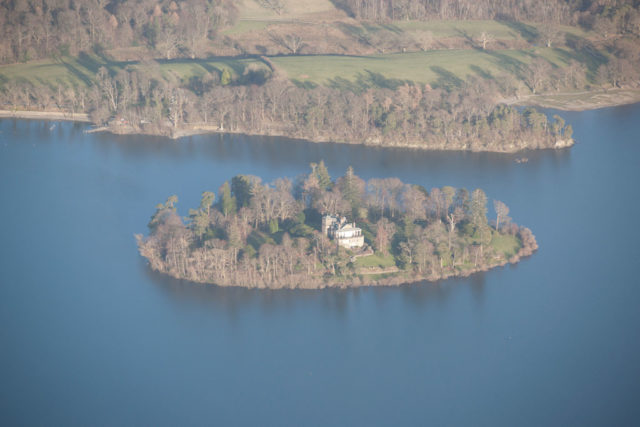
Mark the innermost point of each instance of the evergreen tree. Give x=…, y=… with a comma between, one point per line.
x=241, y=189
x=225, y=78
x=227, y=201
x=206, y=202
x=479, y=209
x=351, y=187
x=322, y=174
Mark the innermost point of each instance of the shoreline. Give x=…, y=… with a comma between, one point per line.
x=45, y=115
x=393, y=280
x=569, y=101
x=194, y=130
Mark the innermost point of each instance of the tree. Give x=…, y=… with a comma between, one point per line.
x=109, y=88
x=384, y=233
x=485, y=38
x=292, y=42
x=537, y=74
x=227, y=202
x=206, y=201
x=478, y=209
x=241, y=187
x=548, y=34
x=322, y=174
x=568, y=132
x=162, y=210
x=501, y=213
x=352, y=189
x=453, y=218
x=225, y=78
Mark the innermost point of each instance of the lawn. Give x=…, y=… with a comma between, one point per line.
x=69, y=71
x=505, y=244
x=437, y=67
x=293, y=9
x=442, y=68
x=468, y=29
x=375, y=260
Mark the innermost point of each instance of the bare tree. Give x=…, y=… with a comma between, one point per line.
x=384, y=234
x=292, y=42
x=453, y=219
x=276, y=5
x=536, y=74
x=485, y=38
x=549, y=34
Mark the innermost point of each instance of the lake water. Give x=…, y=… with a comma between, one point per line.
x=90, y=336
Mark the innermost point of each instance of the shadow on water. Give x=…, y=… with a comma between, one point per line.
x=232, y=300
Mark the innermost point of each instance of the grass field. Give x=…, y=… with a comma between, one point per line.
x=443, y=68
x=69, y=71
x=505, y=244
x=292, y=9
x=375, y=260
x=438, y=67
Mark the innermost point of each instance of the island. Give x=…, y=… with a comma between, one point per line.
x=437, y=75
x=315, y=232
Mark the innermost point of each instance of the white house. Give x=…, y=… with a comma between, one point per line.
x=345, y=233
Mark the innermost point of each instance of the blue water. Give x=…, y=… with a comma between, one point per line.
x=90, y=336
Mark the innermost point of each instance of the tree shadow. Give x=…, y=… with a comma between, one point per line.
x=304, y=85
x=373, y=79
x=583, y=50
x=342, y=5
x=367, y=80
x=465, y=36
x=446, y=79
x=527, y=32
x=508, y=63
x=485, y=74
x=340, y=83
x=357, y=32
x=75, y=71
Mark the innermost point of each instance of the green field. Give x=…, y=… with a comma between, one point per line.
x=375, y=260
x=438, y=67
x=293, y=9
x=443, y=68
x=69, y=71
x=505, y=244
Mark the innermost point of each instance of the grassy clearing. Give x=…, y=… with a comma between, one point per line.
x=245, y=26
x=375, y=260
x=505, y=244
x=293, y=9
x=81, y=71
x=442, y=68
x=438, y=67
x=466, y=29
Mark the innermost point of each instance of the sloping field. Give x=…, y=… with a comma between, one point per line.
x=82, y=71
x=291, y=9
x=444, y=68
x=441, y=67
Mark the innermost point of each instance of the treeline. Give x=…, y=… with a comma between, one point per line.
x=519, y=10
x=31, y=29
x=267, y=235
x=409, y=115
x=612, y=16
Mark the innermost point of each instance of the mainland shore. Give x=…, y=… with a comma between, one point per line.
x=566, y=101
